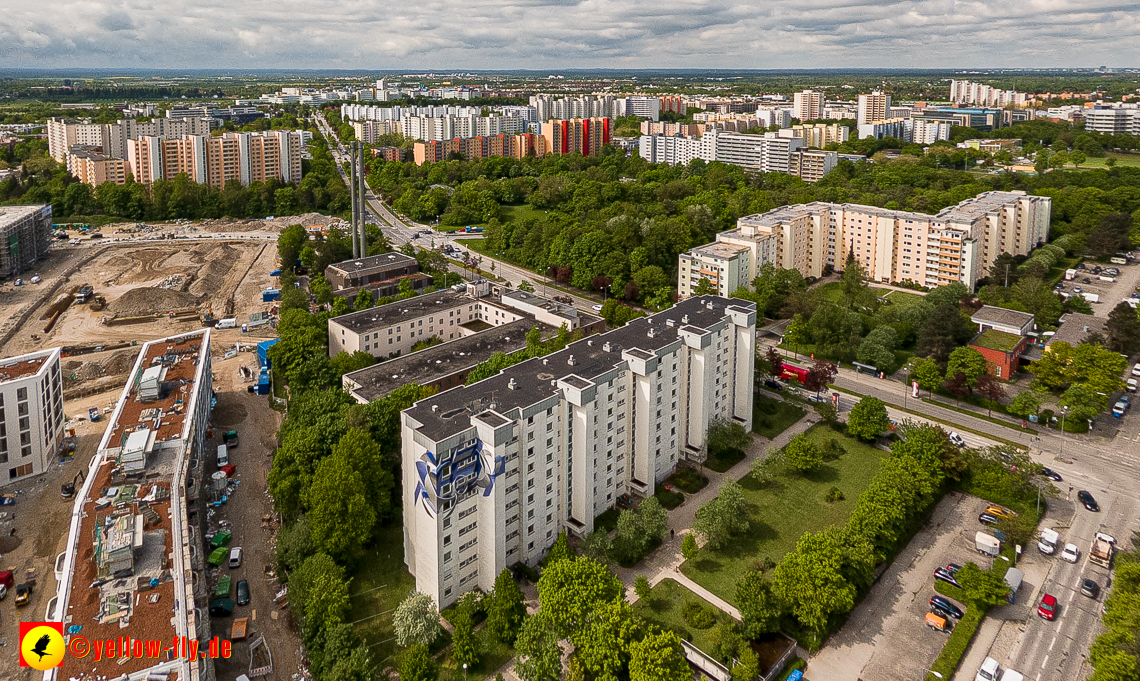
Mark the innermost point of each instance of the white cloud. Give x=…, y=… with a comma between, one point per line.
x=551, y=34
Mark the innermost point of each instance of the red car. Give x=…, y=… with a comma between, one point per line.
x=1048, y=607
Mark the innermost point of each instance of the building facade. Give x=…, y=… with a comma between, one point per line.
x=31, y=414
x=92, y=167
x=25, y=237
x=513, y=146
x=768, y=153
x=967, y=92
x=818, y=135
x=493, y=471
x=808, y=105
x=723, y=265
x=584, y=136
x=873, y=107
x=909, y=130
x=242, y=157
x=1113, y=121
x=956, y=245
x=370, y=271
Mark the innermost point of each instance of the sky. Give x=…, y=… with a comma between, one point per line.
x=553, y=34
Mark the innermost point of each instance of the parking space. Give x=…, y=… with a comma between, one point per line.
x=1105, y=285
x=886, y=636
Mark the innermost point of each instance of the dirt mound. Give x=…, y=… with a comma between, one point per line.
x=149, y=300
x=308, y=219
x=211, y=278
x=120, y=362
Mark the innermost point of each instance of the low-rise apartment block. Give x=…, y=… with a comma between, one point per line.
x=956, y=245
x=495, y=470
x=134, y=560
x=909, y=130
x=767, y=153
x=92, y=167
x=818, y=135
x=31, y=414
x=375, y=271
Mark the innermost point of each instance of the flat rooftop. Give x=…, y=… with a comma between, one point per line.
x=372, y=263
x=441, y=360
x=982, y=204
x=13, y=213
x=384, y=316
x=998, y=341
x=568, y=312
x=15, y=368
x=719, y=249
x=533, y=378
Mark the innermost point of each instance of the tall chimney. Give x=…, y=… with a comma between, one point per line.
x=363, y=203
x=352, y=197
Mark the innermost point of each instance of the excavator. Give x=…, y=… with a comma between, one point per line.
x=67, y=490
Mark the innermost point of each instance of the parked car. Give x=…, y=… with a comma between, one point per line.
x=242, y=592
x=1078, y=289
x=775, y=385
x=596, y=308
x=1071, y=553
x=1087, y=500
x=1086, y=280
x=816, y=397
x=944, y=606
x=1047, y=609
x=999, y=511
x=988, y=671
x=1136, y=369
x=988, y=519
x=946, y=576
x=1090, y=588
x=957, y=440
x=1051, y=474
x=1131, y=385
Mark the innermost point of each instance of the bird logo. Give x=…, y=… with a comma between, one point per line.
x=41, y=645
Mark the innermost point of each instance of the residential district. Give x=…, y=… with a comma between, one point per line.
x=434, y=378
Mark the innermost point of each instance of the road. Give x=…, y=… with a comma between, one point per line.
x=400, y=230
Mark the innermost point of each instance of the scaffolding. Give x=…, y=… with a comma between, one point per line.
x=25, y=236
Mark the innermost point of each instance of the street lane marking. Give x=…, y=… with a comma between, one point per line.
x=1053, y=643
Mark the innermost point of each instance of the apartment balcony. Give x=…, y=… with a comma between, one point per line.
x=638, y=486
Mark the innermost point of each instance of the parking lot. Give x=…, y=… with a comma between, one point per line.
x=1092, y=279
x=886, y=636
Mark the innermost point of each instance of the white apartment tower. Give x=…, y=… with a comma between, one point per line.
x=495, y=470
x=31, y=414
x=873, y=107
x=808, y=105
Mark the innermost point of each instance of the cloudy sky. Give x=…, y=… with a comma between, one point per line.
x=552, y=34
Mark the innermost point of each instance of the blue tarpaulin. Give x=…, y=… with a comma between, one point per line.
x=263, y=352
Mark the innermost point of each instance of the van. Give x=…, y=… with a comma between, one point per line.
x=1118, y=261
x=227, y=323
x=223, y=456
x=1013, y=579
x=235, y=558
x=988, y=670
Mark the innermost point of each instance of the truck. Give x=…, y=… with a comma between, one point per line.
x=93, y=414
x=1070, y=275
x=1101, y=551
x=987, y=544
x=1047, y=543
x=231, y=439
x=1091, y=297
x=230, y=323
x=84, y=294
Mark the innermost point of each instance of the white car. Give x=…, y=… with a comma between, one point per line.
x=1071, y=553
x=1136, y=369
x=988, y=671
x=1131, y=385
x=957, y=440
x=596, y=308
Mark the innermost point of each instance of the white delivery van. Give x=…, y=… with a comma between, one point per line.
x=223, y=456
x=227, y=323
x=1118, y=261
x=1047, y=544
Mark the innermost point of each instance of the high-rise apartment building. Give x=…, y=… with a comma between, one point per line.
x=723, y=265
x=1116, y=121
x=967, y=92
x=31, y=414
x=513, y=146
x=807, y=105
x=243, y=157
x=956, y=245
x=112, y=138
x=767, y=153
x=493, y=471
x=818, y=135
x=585, y=136
x=909, y=130
x=25, y=237
x=873, y=107
x=92, y=167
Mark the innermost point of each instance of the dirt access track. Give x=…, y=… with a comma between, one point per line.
x=224, y=277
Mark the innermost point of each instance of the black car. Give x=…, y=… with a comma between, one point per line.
x=1051, y=474
x=1088, y=501
x=773, y=384
x=1086, y=280
x=221, y=607
x=242, y=592
x=988, y=519
x=946, y=576
x=1090, y=588
x=945, y=607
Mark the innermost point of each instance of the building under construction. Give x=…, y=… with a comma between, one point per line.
x=25, y=235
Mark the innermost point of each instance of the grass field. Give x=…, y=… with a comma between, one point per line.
x=1121, y=160
x=382, y=582
x=903, y=299
x=663, y=608
x=509, y=214
x=493, y=654
x=780, y=512
x=770, y=417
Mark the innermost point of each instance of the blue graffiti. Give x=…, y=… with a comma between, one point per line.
x=440, y=483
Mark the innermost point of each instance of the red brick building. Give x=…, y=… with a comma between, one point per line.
x=1003, y=335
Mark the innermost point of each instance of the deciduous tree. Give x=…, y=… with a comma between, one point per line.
x=723, y=516
x=506, y=608
x=338, y=508
x=658, y=657
x=801, y=455
x=570, y=589
x=539, y=656
x=1123, y=329
x=416, y=621
x=982, y=587
x=463, y=648
x=868, y=419
x=759, y=607
x=967, y=361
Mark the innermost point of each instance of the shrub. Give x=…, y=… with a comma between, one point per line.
x=698, y=616
x=834, y=494
x=688, y=480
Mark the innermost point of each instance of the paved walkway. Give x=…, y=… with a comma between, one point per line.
x=664, y=563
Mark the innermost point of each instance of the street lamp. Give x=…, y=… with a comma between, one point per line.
x=1064, y=410
x=933, y=673
x=465, y=671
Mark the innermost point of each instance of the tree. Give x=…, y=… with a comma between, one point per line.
x=539, y=656
x=417, y=665
x=1110, y=234
x=339, y=510
x=727, y=440
x=927, y=375
x=597, y=546
x=1078, y=157
x=603, y=646
x=991, y=389
x=821, y=373
x=363, y=300
x=506, y=608
x=723, y=516
x=827, y=412
x=853, y=283
x=877, y=356
x=759, y=608
x=868, y=419
x=569, y=590
x=560, y=550
x=725, y=642
x=761, y=468
x=416, y=621
x=658, y=657
x=290, y=243
x=654, y=519
x=689, y=546
x=367, y=459
x=1083, y=402
x=463, y=649
x=525, y=285
x=811, y=580
x=294, y=299
x=1110, y=162
x=1024, y=404
x=969, y=362
x=319, y=593
x=641, y=588
x=1123, y=329
x=705, y=287
x=982, y=587
x=749, y=667
x=945, y=329
x=802, y=455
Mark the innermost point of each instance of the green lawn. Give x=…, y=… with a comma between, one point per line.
x=903, y=299
x=493, y=654
x=779, y=513
x=381, y=582
x=663, y=608
x=509, y=214
x=770, y=417
x=1121, y=160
